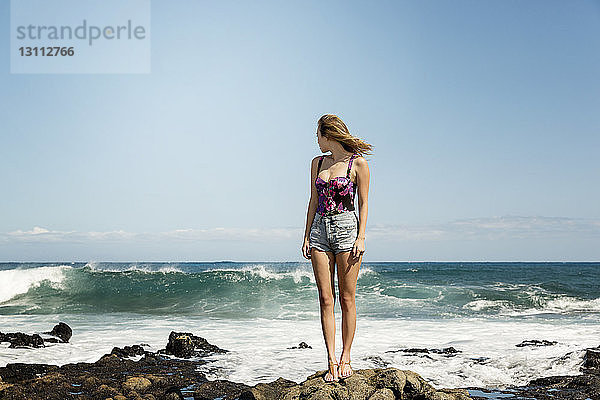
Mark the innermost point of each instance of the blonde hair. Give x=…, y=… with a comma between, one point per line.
x=332, y=127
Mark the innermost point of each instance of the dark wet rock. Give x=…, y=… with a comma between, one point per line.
x=154, y=376
x=61, y=331
x=17, y=372
x=536, y=342
x=109, y=377
x=22, y=340
x=130, y=351
x=480, y=360
x=591, y=361
x=174, y=393
x=577, y=387
x=415, y=350
x=302, y=345
x=52, y=340
x=187, y=345
x=219, y=388
x=446, y=351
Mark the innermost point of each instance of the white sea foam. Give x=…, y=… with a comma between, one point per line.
x=570, y=304
x=561, y=305
x=165, y=269
x=480, y=305
x=262, y=271
x=260, y=348
x=91, y=265
x=17, y=281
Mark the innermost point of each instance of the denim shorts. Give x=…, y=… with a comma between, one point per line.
x=335, y=233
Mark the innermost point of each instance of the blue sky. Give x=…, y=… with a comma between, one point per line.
x=483, y=116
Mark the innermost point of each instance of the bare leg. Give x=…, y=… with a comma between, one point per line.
x=324, y=269
x=348, y=268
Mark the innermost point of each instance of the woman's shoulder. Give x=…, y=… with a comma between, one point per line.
x=360, y=160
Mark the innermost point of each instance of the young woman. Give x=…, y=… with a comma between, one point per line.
x=336, y=235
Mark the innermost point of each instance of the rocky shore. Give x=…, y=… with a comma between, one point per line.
x=169, y=374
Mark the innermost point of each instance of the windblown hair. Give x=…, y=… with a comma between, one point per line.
x=332, y=127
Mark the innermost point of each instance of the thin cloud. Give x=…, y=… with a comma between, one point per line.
x=492, y=228
x=39, y=234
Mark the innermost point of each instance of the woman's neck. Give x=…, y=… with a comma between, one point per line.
x=340, y=154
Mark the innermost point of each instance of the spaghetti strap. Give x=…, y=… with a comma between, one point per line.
x=350, y=166
x=319, y=166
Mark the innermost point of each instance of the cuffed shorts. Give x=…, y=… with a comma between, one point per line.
x=335, y=233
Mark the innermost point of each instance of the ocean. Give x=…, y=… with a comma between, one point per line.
x=258, y=311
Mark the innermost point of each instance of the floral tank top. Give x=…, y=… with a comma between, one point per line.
x=337, y=194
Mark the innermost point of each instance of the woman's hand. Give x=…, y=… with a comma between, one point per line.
x=359, y=248
x=306, y=249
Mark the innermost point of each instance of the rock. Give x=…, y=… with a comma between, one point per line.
x=105, y=390
x=446, y=351
x=302, y=345
x=391, y=380
x=273, y=390
x=173, y=393
x=565, y=387
x=128, y=351
x=186, y=345
x=133, y=395
x=4, y=385
x=19, y=340
x=136, y=383
x=23, y=340
x=219, y=388
x=17, y=372
x=383, y=394
x=90, y=383
x=536, y=342
x=591, y=361
x=180, y=345
x=372, y=384
x=109, y=377
x=449, y=351
x=62, y=331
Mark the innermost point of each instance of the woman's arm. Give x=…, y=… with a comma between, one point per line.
x=362, y=180
x=312, y=206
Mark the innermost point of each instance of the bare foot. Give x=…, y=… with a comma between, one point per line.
x=332, y=373
x=345, y=370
